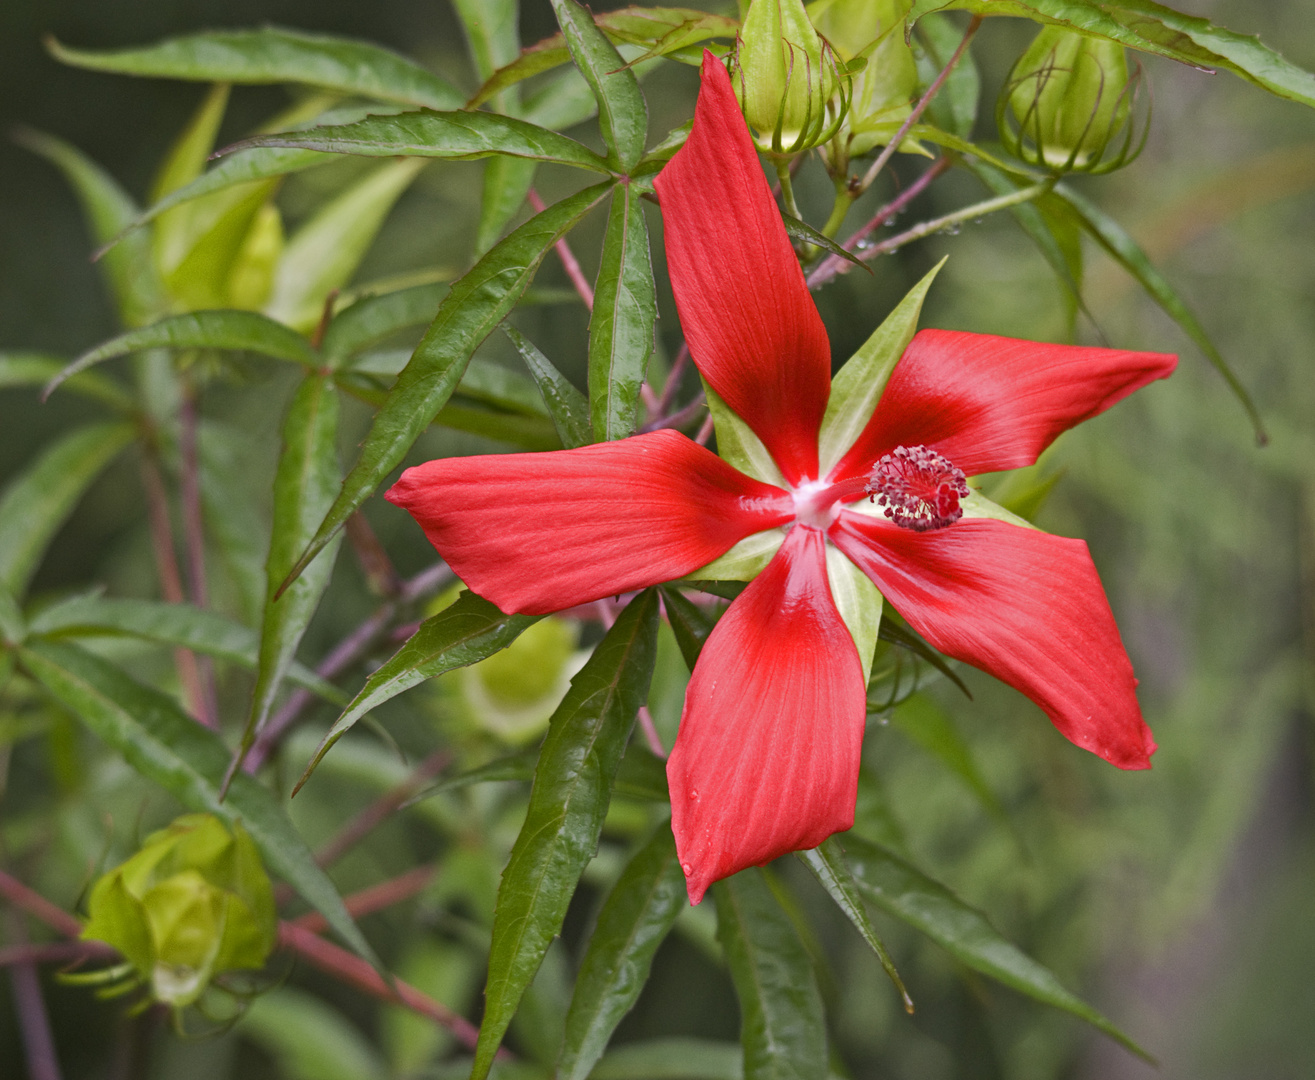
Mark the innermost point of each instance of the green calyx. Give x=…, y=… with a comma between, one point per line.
x=793, y=88
x=193, y=903
x=1072, y=98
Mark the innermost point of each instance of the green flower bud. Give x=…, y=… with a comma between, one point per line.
x=193, y=903
x=791, y=88
x=868, y=37
x=514, y=692
x=1071, y=97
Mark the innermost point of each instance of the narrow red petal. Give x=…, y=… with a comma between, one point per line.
x=767, y=757
x=991, y=403
x=1023, y=605
x=536, y=533
x=751, y=325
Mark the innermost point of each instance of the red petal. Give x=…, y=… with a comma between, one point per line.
x=1023, y=605
x=751, y=325
x=767, y=757
x=991, y=403
x=541, y=532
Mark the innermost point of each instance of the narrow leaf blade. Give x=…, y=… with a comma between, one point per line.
x=465, y=632
x=566, y=405
x=472, y=309
x=572, y=789
x=621, y=328
x=273, y=55
x=163, y=744
x=38, y=501
x=633, y=922
x=901, y=890
x=782, y=1026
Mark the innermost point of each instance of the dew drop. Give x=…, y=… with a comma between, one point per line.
x=693, y=794
x=688, y=868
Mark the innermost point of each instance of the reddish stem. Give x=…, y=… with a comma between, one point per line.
x=375, y=898
x=39, y=907
x=569, y=261
x=194, y=545
x=171, y=584
x=33, y=1019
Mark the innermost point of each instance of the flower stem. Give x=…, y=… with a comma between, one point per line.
x=889, y=149
x=569, y=261
x=787, y=187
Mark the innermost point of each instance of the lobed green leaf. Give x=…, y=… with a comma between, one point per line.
x=474, y=306
x=782, y=1026
x=37, y=502
x=905, y=892
x=274, y=55
x=634, y=920
x=622, y=114
x=621, y=327
x=163, y=744
x=569, y=799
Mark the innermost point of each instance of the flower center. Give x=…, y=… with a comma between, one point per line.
x=815, y=503
x=919, y=488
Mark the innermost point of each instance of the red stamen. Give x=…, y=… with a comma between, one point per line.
x=919, y=488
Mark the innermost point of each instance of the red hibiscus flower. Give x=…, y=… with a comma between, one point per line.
x=767, y=757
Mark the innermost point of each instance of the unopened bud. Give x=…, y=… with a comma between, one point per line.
x=193, y=903
x=791, y=87
x=1071, y=97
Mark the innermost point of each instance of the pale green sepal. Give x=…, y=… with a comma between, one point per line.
x=745, y=561
x=859, y=603
x=977, y=505
x=857, y=387
x=738, y=446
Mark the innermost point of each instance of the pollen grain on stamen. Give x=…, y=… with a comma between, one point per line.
x=919, y=488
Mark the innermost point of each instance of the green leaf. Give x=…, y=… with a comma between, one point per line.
x=303, y=487
x=492, y=32
x=33, y=369
x=906, y=893
x=182, y=625
x=927, y=724
x=827, y=862
x=633, y=922
x=460, y=136
x=566, y=405
x=109, y=210
x=374, y=318
x=37, y=502
x=474, y=306
x=310, y=1039
x=507, y=183
x=572, y=789
x=1125, y=251
x=858, y=385
x=1153, y=28
x=621, y=327
x=622, y=115
x=271, y=55
x=690, y=624
x=782, y=1026
x=242, y=330
x=324, y=253
x=897, y=633
x=13, y=630
x=469, y=630
x=517, y=768
x=642, y=776
x=163, y=744
x=236, y=525
x=672, y=1059
x=803, y=233
x=955, y=107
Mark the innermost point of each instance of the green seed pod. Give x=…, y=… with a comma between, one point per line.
x=868, y=37
x=791, y=87
x=1072, y=97
x=193, y=903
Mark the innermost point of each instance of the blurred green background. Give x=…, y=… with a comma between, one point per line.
x=1182, y=901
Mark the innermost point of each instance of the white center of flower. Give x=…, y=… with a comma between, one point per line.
x=815, y=504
